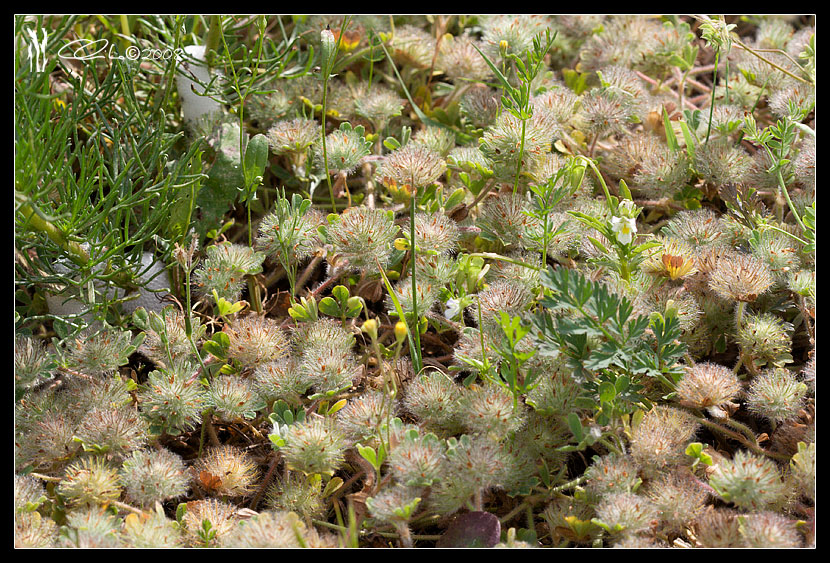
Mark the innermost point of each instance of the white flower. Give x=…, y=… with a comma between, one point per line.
x=625, y=228
x=453, y=308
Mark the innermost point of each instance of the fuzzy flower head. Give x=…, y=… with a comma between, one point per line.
x=90, y=481
x=232, y=398
x=224, y=270
x=255, y=340
x=31, y=361
x=225, y=471
x=150, y=476
x=740, y=277
x=361, y=235
x=171, y=399
x=101, y=353
x=378, y=106
x=289, y=234
x=292, y=136
x=776, y=394
x=458, y=58
x=345, y=148
x=480, y=105
x=314, y=446
x=413, y=165
x=766, y=339
x=749, y=481
x=708, y=385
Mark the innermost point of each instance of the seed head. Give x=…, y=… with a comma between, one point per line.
x=232, y=398
x=322, y=334
x=172, y=338
x=418, y=461
x=740, y=277
x=31, y=362
x=630, y=512
x=678, y=498
x=488, y=410
x=255, y=340
x=458, y=58
x=114, y=431
x=297, y=493
x=100, y=354
x=749, y=481
x=363, y=416
x=150, y=476
x=505, y=218
x=89, y=481
x=33, y=530
x=769, y=530
x=433, y=400
x=803, y=469
x=266, y=109
x=413, y=46
x=661, y=438
x=94, y=527
x=314, y=446
x=360, y=235
x=224, y=270
x=171, y=399
x=220, y=514
x=776, y=394
x=720, y=162
x=345, y=148
x=766, y=339
x=697, y=228
x=225, y=471
x=414, y=165
x=280, y=379
x=388, y=505
x=718, y=527
x=480, y=105
x=292, y=136
x=157, y=531
x=612, y=473
x=707, y=385
x=378, y=106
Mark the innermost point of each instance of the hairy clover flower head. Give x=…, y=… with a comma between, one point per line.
x=458, y=58
x=345, y=148
x=433, y=400
x=413, y=165
x=255, y=340
x=225, y=471
x=172, y=398
x=150, y=476
x=707, y=385
x=89, y=481
x=481, y=105
x=749, y=481
x=232, y=398
x=769, y=529
x=314, y=446
x=378, y=106
x=740, y=277
x=361, y=235
x=766, y=339
x=224, y=269
x=776, y=394
x=293, y=135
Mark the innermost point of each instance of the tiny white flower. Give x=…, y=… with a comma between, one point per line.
x=453, y=308
x=625, y=228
